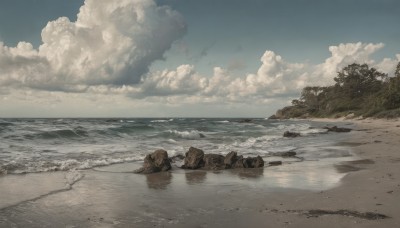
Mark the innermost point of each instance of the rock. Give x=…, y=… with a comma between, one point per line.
x=273, y=117
x=230, y=159
x=213, y=161
x=194, y=159
x=158, y=161
x=239, y=163
x=338, y=129
x=245, y=121
x=249, y=162
x=289, y=134
x=274, y=163
x=253, y=162
x=285, y=154
x=202, y=135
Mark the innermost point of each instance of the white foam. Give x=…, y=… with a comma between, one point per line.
x=313, y=131
x=222, y=121
x=172, y=141
x=293, y=127
x=158, y=121
x=262, y=141
x=194, y=134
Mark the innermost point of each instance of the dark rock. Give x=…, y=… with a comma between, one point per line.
x=273, y=117
x=249, y=162
x=289, y=134
x=239, y=162
x=194, y=159
x=285, y=154
x=230, y=159
x=213, y=161
x=273, y=163
x=202, y=135
x=337, y=129
x=245, y=121
x=253, y=162
x=158, y=161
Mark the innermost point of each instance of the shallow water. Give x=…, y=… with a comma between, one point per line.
x=112, y=196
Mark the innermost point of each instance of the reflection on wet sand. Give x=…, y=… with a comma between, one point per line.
x=195, y=177
x=159, y=180
x=249, y=173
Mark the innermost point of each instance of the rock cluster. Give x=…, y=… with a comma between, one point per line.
x=289, y=134
x=337, y=129
x=195, y=158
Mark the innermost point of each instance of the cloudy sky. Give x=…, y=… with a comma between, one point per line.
x=187, y=58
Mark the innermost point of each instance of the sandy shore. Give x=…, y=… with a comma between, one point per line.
x=361, y=192
x=374, y=186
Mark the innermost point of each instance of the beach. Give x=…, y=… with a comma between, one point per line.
x=357, y=191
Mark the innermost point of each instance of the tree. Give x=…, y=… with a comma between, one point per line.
x=310, y=97
x=392, y=93
x=357, y=80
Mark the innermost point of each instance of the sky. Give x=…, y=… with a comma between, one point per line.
x=183, y=58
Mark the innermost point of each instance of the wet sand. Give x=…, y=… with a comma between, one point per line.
x=340, y=192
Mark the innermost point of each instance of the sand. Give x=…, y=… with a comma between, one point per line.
x=360, y=192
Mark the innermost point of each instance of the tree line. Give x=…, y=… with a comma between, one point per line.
x=359, y=90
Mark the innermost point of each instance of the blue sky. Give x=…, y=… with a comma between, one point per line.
x=226, y=36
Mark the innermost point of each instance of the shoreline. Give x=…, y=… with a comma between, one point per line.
x=111, y=197
x=372, y=186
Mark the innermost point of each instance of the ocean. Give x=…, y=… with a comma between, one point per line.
x=79, y=172
x=47, y=145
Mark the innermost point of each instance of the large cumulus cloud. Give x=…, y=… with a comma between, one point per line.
x=111, y=43
x=110, y=47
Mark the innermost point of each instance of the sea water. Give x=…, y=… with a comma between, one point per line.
x=78, y=172
x=45, y=145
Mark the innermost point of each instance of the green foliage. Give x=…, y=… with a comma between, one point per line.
x=359, y=89
x=357, y=80
x=392, y=93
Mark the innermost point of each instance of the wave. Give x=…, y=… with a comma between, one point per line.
x=158, y=121
x=6, y=124
x=127, y=129
x=293, y=127
x=187, y=134
x=62, y=165
x=161, y=121
x=313, y=131
x=64, y=133
x=257, y=141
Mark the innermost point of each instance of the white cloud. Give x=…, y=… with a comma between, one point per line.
x=111, y=43
x=275, y=78
x=388, y=65
x=106, y=53
x=343, y=55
